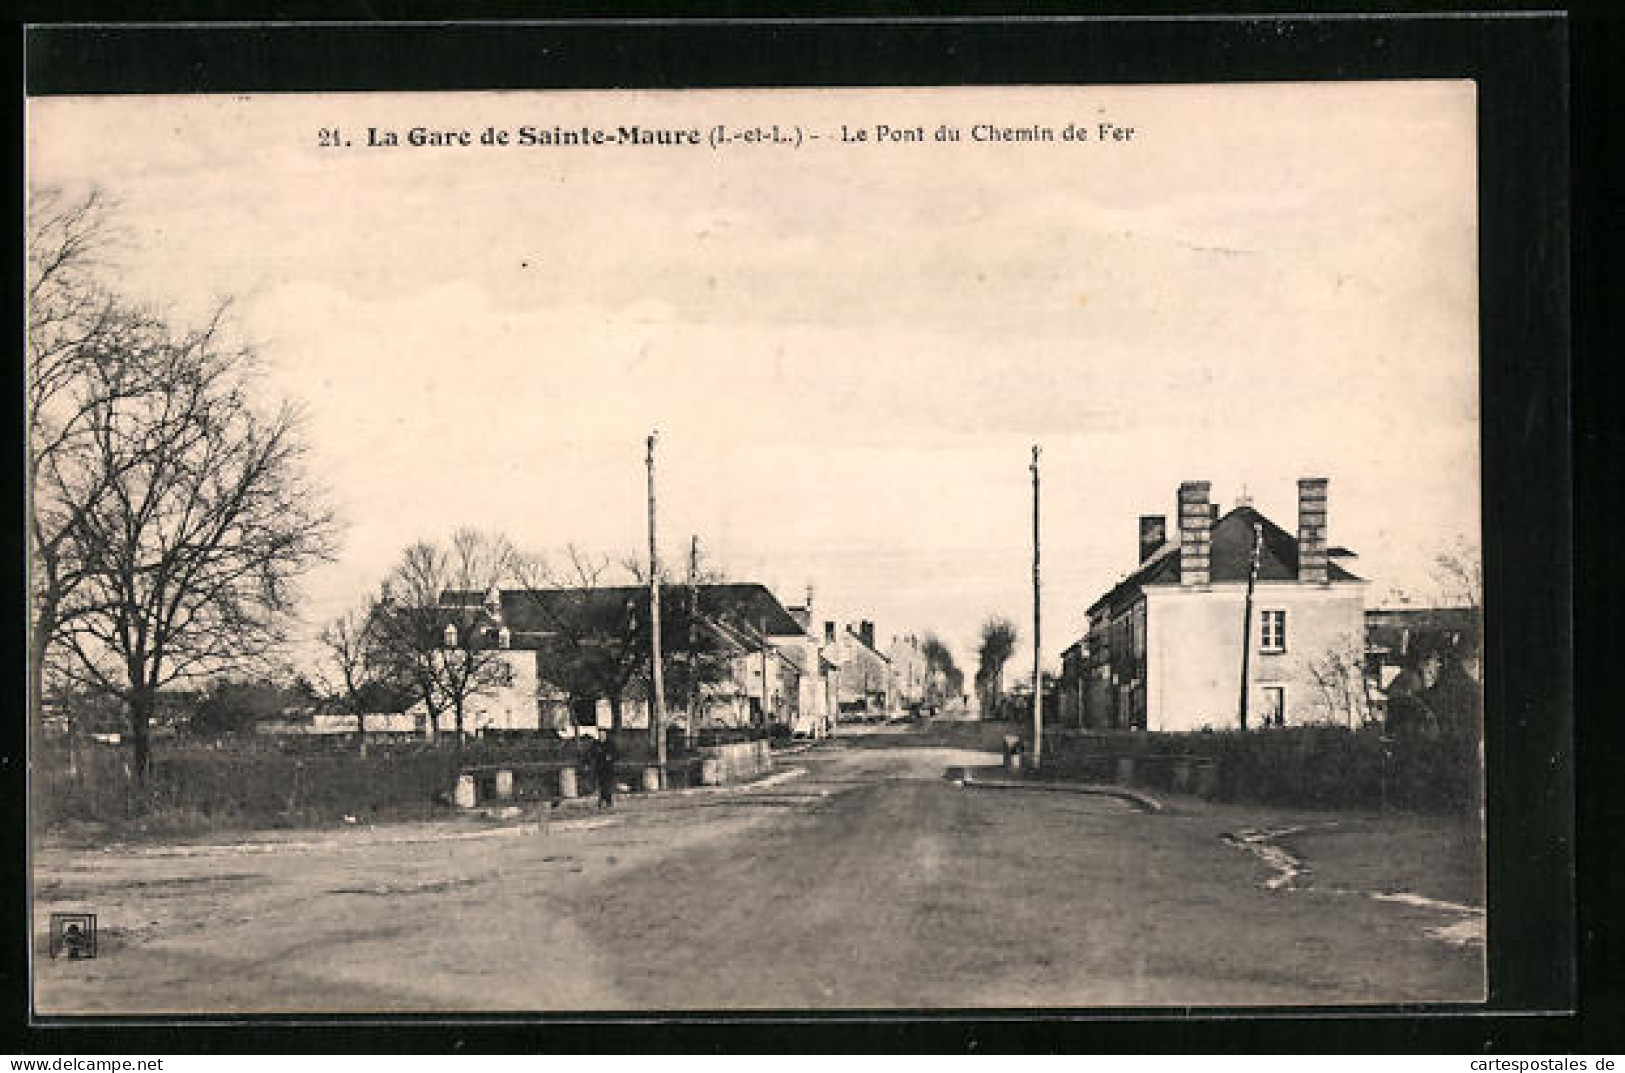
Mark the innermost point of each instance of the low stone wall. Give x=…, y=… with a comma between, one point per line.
x=1128, y=759
x=735, y=762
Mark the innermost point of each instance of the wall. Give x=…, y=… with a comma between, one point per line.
x=1194, y=650
x=510, y=707
x=740, y=760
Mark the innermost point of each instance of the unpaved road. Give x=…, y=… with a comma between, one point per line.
x=871, y=881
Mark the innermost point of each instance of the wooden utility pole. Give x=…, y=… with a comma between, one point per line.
x=767, y=724
x=693, y=637
x=1038, y=676
x=657, y=718
x=1247, y=618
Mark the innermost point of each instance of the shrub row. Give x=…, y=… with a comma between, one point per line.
x=1314, y=767
x=259, y=782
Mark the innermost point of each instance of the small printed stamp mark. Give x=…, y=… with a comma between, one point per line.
x=73, y=935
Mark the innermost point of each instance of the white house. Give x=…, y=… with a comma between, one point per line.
x=1164, y=650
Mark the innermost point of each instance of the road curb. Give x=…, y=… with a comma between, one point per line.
x=1143, y=801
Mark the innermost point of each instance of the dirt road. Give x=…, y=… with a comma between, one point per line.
x=869, y=881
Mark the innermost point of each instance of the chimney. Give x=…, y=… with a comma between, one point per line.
x=1195, y=533
x=866, y=632
x=1153, y=533
x=1312, y=529
x=829, y=632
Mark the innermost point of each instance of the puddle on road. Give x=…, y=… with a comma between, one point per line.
x=1289, y=867
x=1291, y=874
x=1465, y=930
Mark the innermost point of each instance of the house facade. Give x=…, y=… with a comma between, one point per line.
x=1164, y=647
x=1070, y=687
x=762, y=659
x=863, y=674
x=906, y=654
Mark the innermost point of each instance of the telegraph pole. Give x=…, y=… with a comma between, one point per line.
x=1038, y=677
x=767, y=722
x=657, y=720
x=1247, y=617
x=693, y=637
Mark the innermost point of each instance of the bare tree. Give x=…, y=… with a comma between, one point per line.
x=596, y=630
x=1459, y=575
x=1338, y=675
x=594, y=612
x=355, y=665
x=169, y=515
x=86, y=352
x=193, y=519
x=436, y=631
x=998, y=644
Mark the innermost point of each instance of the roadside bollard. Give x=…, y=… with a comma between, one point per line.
x=1207, y=779
x=464, y=796
x=567, y=783
x=1182, y=776
x=651, y=779
x=1012, y=754
x=504, y=786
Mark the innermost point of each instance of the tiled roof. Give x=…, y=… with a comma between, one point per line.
x=526, y=611
x=1231, y=557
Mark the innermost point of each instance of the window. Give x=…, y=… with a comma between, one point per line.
x=1274, y=705
x=1272, y=631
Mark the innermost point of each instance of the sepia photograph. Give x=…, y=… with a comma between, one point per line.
x=929, y=548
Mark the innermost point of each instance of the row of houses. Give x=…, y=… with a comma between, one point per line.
x=1173, y=647
x=758, y=662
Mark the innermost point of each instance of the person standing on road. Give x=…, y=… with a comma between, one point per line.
x=603, y=771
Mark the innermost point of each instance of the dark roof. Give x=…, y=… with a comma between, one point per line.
x=541, y=610
x=1231, y=557
x=1403, y=630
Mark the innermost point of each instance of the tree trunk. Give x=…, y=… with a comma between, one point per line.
x=141, y=705
x=615, y=711
x=43, y=628
x=361, y=729
x=457, y=721
x=431, y=717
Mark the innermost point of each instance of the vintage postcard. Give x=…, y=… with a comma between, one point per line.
x=764, y=549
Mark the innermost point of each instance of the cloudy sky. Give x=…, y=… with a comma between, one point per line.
x=848, y=348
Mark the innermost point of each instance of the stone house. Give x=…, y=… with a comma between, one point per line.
x=560, y=649
x=1164, y=647
x=863, y=674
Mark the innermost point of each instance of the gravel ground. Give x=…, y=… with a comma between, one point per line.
x=872, y=881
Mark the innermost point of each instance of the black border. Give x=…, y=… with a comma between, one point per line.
x=1520, y=63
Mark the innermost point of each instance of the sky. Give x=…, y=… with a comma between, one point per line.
x=848, y=347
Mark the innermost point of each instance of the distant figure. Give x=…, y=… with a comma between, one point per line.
x=602, y=758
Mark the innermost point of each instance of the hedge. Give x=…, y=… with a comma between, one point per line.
x=1310, y=766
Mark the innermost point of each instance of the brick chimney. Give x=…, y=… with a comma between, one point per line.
x=829, y=632
x=866, y=632
x=1312, y=529
x=1153, y=533
x=1195, y=533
